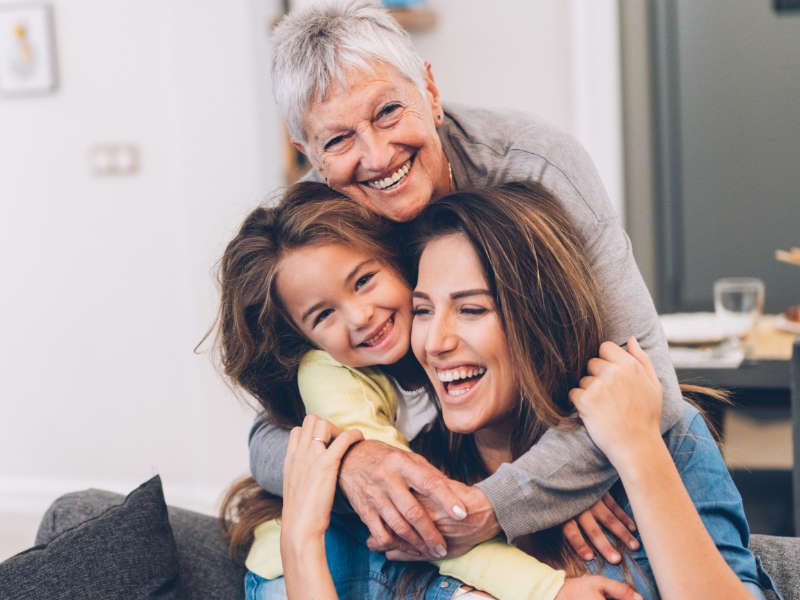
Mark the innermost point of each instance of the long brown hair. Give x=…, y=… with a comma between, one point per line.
x=259, y=347
x=548, y=303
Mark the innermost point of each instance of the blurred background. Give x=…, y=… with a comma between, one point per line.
x=127, y=166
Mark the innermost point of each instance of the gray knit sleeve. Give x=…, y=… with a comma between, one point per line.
x=565, y=473
x=268, y=445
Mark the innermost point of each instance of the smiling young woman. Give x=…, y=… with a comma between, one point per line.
x=508, y=342
x=458, y=338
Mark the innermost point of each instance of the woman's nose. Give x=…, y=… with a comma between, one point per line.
x=376, y=152
x=440, y=338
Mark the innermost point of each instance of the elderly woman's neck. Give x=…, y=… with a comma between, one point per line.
x=494, y=445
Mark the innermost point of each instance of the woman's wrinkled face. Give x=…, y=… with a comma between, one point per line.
x=375, y=141
x=347, y=303
x=458, y=337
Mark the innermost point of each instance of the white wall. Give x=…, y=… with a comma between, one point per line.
x=555, y=58
x=513, y=54
x=107, y=281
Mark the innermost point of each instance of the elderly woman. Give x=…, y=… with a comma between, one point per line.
x=366, y=111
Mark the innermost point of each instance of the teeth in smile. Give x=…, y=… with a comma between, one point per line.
x=376, y=339
x=382, y=184
x=450, y=375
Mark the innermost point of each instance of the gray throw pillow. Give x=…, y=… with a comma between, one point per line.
x=126, y=552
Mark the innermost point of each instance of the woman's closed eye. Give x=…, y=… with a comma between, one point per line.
x=336, y=143
x=473, y=310
x=421, y=310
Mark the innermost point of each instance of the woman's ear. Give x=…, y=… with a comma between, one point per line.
x=300, y=147
x=433, y=94
x=304, y=151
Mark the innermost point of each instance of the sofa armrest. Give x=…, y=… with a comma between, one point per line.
x=781, y=559
x=206, y=569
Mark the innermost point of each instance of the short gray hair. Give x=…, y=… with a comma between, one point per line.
x=315, y=45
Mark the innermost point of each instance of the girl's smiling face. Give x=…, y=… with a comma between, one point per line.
x=458, y=338
x=347, y=303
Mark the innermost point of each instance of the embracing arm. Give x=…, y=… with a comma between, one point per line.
x=312, y=462
x=268, y=445
x=375, y=477
x=565, y=473
x=365, y=400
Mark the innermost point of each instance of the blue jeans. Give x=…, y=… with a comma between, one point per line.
x=359, y=573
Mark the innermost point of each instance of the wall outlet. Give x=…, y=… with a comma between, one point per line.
x=114, y=160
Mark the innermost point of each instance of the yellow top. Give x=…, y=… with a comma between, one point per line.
x=365, y=399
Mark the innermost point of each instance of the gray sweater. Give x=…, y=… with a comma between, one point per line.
x=564, y=473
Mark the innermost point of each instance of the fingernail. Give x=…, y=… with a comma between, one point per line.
x=637, y=597
x=440, y=551
x=615, y=557
x=632, y=526
x=459, y=512
x=588, y=556
x=634, y=545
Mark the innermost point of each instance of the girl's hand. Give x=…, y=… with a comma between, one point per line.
x=310, y=473
x=620, y=400
x=595, y=587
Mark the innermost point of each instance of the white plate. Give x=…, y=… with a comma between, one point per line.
x=694, y=328
x=784, y=324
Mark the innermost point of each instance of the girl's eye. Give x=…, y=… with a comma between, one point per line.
x=364, y=280
x=321, y=316
x=420, y=310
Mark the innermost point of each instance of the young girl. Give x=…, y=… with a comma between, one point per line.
x=313, y=300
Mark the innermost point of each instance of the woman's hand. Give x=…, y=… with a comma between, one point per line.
x=595, y=587
x=607, y=512
x=620, y=400
x=310, y=472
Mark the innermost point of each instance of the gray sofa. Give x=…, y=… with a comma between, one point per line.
x=206, y=571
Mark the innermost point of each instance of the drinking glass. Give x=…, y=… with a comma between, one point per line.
x=738, y=302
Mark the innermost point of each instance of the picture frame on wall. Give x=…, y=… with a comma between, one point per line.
x=27, y=57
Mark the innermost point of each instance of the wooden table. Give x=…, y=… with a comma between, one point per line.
x=764, y=378
x=766, y=365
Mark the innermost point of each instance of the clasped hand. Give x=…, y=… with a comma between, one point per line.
x=412, y=510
